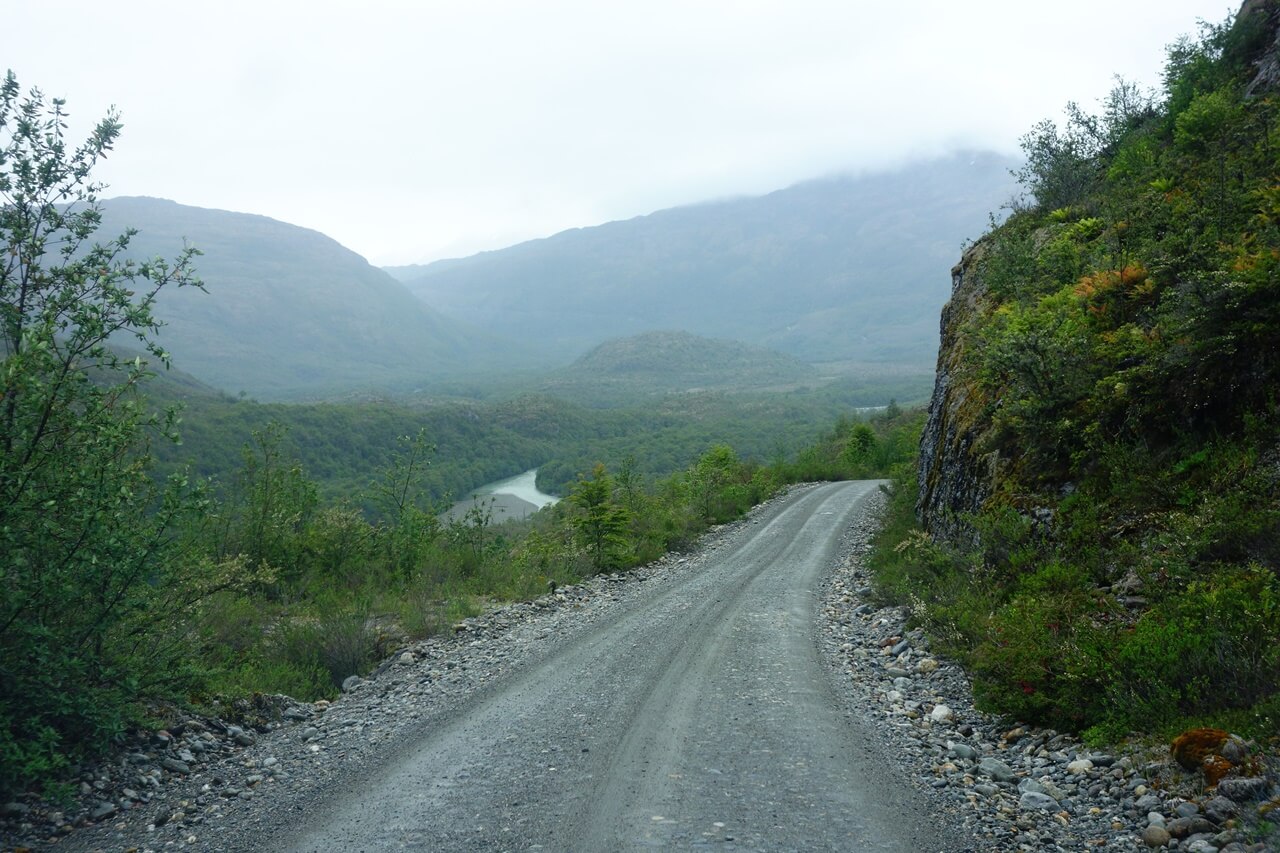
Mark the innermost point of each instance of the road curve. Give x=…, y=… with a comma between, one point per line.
x=703, y=718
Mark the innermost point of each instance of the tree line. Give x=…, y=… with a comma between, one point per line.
x=124, y=590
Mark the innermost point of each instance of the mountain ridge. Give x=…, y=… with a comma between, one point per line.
x=840, y=268
x=288, y=310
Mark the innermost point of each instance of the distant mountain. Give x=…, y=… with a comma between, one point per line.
x=289, y=312
x=839, y=269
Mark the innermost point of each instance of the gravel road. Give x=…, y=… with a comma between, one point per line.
x=701, y=717
x=748, y=695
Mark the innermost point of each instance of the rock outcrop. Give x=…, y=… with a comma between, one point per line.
x=957, y=471
x=1267, y=77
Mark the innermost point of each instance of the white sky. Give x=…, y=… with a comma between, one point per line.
x=415, y=130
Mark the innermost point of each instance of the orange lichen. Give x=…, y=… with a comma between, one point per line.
x=1192, y=747
x=1116, y=293
x=1214, y=768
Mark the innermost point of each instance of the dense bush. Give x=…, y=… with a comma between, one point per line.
x=98, y=580
x=1127, y=358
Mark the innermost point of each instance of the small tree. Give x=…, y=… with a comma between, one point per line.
x=602, y=523
x=410, y=521
x=859, y=445
x=1061, y=168
x=269, y=509
x=715, y=480
x=91, y=570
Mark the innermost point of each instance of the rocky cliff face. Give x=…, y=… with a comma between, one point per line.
x=956, y=473
x=959, y=469
x=1267, y=75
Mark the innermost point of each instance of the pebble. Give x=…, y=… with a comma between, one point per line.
x=996, y=769
x=1013, y=787
x=1033, y=800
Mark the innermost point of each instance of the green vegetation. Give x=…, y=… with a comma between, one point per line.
x=340, y=444
x=124, y=589
x=1125, y=360
x=334, y=591
x=97, y=582
x=623, y=370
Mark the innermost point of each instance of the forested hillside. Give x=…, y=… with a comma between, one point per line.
x=840, y=269
x=1105, y=428
x=127, y=594
x=288, y=312
x=341, y=445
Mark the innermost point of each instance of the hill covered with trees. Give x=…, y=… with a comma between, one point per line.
x=125, y=592
x=1100, y=472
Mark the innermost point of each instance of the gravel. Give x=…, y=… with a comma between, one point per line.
x=207, y=784
x=1012, y=786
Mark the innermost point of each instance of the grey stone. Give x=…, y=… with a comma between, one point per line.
x=1156, y=836
x=1242, y=790
x=1183, y=826
x=1199, y=845
x=1186, y=809
x=1148, y=803
x=963, y=750
x=13, y=809
x=351, y=683
x=1220, y=809
x=1080, y=766
x=244, y=739
x=101, y=811
x=1025, y=785
x=996, y=769
x=175, y=766
x=1033, y=801
x=1234, y=751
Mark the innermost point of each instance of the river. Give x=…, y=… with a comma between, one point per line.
x=513, y=498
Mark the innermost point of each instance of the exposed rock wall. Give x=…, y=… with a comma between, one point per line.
x=1267, y=77
x=959, y=468
x=956, y=473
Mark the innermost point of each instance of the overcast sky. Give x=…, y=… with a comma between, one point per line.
x=415, y=130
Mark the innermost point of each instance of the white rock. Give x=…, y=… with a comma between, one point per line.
x=941, y=714
x=1080, y=766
